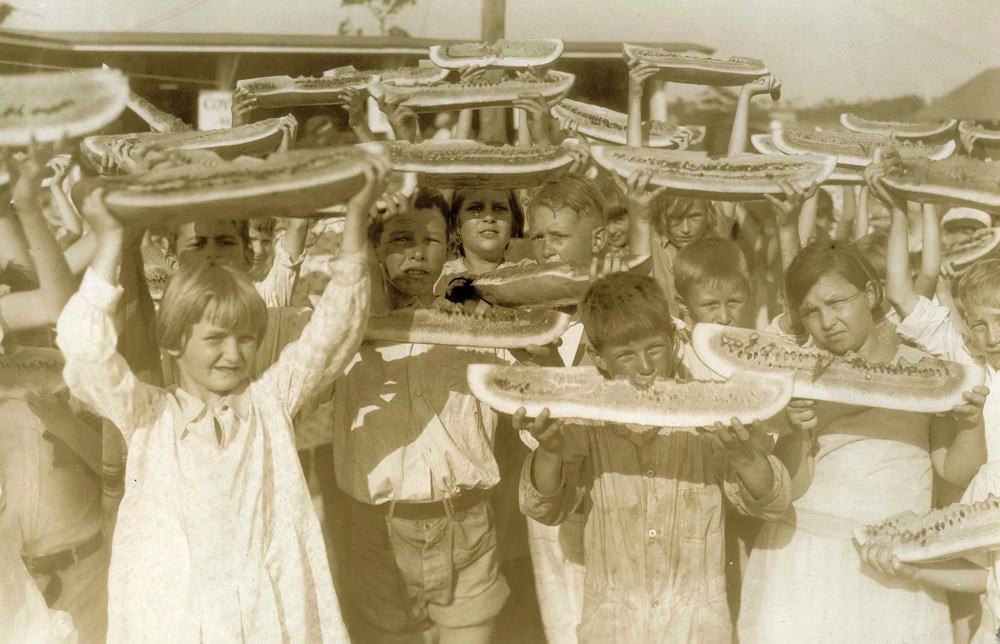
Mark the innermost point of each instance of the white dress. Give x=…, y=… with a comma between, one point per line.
x=804, y=581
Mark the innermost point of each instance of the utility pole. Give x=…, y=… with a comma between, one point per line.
x=493, y=121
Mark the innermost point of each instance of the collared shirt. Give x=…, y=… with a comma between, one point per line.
x=653, y=544
x=217, y=539
x=931, y=328
x=277, y=286
x=406, y=427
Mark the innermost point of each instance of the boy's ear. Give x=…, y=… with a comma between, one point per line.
x=598, y=239
x=874, y=294
x=599, y=361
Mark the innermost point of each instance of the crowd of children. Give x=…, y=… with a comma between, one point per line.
x=287, y=480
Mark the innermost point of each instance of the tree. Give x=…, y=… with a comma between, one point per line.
x=383, y=10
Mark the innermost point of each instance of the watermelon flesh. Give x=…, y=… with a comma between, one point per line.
x=610, y=126
x=584, y=393
x=30, y=369
x=899, y=129
x=459, y=95
x=510, y=54
x=957, y=181
x=851, y=148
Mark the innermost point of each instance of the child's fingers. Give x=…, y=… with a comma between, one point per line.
x=517, y=420
x=739, y=430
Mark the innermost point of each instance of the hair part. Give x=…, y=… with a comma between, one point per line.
x=212, y=292
x=455, y=210
x=424, y=199
x=710, y=261
x=819, y=259
x=624, y=307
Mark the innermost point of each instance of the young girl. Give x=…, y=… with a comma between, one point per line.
x=860, y=466
x=216, y=538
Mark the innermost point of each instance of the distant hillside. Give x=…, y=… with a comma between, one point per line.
x=977, y=99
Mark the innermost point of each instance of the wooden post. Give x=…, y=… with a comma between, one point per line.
x=493, y=121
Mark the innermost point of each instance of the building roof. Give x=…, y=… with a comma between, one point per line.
x=226, y=43
x=978, y=99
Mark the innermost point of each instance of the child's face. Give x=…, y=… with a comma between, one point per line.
x=617, y=231
x=725, y=303
x=561, y=235
x=412, y=249
x=837, y=315
x=640, y=361
x=686, y=228
x=211, y=241
x=262, y=245
x=485, y=222
x=217, y=359
x=956, y=233
x=984, y=324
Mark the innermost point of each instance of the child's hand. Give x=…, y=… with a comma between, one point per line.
x=243, y=104
x=788, y=209
x=403, y=120
x=740, y=444
x=354, y=105
x=639, y=71
x=472, y=74
x=879, y=557
x=376, y=174
x=802, y=415
x=971, y=411
x=26, y=171
x=548, y=432
x=639, y=200
x=873, y=179
x=537, y=112
x=60, y=166
x=766, y=84
x=96, y=214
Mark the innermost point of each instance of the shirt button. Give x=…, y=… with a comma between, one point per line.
x=649, y=473
x=656, y=604
x=652, y=533
x=419, y=394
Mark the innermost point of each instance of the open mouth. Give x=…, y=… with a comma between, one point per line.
x=489, y=234
x=416, y=273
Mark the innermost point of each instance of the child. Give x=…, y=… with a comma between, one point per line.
x=652, y=497
x=413, y=448
x=959, y=224
x=712, y=279
x=216, y=537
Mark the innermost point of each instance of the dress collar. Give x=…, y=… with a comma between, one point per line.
x=192, y=407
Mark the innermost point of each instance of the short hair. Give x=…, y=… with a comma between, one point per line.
x=424, y=199
x=572, y=192
x=820, y=259
x=873, y=247
x=218, y=293
x=266, y=226
x=615, y=206
x=710, y=261
x=980, y=284
x=458, y=200
x=623, y=307
x=242, y=231
x=667, y=207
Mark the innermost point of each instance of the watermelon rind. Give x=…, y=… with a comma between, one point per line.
x=460, y=327
x=30, y=369
x=610, y=126
x=853, y=149
x=423, y=73
x=898, y=129
x=744, y=176
x=51, y=105
x=287, y=184
x=254, y=139
x=957, y=181
x=583, y=393
x=439, y=55
x=929, y=386
x=986, y=241
x=841, y=176
x=460, y=95
x=696, y=69
x=285, y=91
x=978, y=131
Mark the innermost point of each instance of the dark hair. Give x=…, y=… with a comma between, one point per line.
x=711, y=261
x=571, y=192
x=873, y=248
x=425, y=199
x=266, y=225
x=614, y=200
x=458, y=200
x=622, y=307
x=18, y=278
x=819, y=259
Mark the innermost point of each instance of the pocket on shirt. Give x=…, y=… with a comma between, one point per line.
x=700, y=511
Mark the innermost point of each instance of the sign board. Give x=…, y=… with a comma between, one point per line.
x=214, y=109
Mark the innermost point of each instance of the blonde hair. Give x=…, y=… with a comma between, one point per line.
x=213, y=292
x=980, y=284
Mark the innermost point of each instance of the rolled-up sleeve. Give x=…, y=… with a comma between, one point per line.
x=769, y=507
x=554, y=508
x=277, y=286
x=930, y=327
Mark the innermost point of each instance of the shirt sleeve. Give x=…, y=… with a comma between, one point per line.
x=278, y=285
x=930, y=327
x=554, y=508
x=329, y=340
x=769, y=507
x=95, y=372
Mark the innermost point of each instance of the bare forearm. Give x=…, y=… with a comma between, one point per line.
x=294, y=239
x=546, y=471
x=861, y=216
x=108, y=256
x=13, y=245
x=807, y=218
x=68, y=215
x=738, y=137
x=795, y=452
x=957, y=576
x=930, y=254
x=898, y=284
x=634, y=133
x=756, y=476
x=54, y=278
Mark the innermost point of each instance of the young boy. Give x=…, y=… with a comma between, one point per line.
x=414, y=450
x=652, y=497
x=712, y=279
x=959, y=224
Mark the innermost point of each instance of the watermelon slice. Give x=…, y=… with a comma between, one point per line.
x=851, y=148
x=55, y=104
x=980, y=141
x=608, y=125
x=955, y=531
x=745, y=176
x=458, y=325
x=255, y=139
x=504, y=54
x=899, y=129
x=929, y=386
x=469, y=164
x=288, y=184
x=285, y=91
x=697, y=70
x=584, y=393
x=423, y=73
x=29, y=369
x=460, y=95
x=840, y=176
x=979, y=245
x=956, y=181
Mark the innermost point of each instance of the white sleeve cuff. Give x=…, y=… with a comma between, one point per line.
x=99, y=293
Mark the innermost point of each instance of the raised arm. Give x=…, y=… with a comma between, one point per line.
x=534, y=108
x=69, y=218
x=741, y=121
x=355, y=108
x=899, y=286
x=278, y=285
x=930, y=254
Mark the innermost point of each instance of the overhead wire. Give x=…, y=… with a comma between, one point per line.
x=170, y=14
x=161, y=77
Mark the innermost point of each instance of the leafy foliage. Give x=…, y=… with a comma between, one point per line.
x=382, y=10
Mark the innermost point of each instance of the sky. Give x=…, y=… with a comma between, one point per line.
x=820, y=49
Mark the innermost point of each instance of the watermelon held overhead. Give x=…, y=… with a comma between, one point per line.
x=457, y=325
x=955, y=531
x=899, y=129
x=853, y=149
x=503, y=54
x=980, y=141
x=954, y=181
x=583, y=393
x=553, y=86
x=745, y=176
x=51, y=105
x=608, y=125
x=285, y=91
x=841, y=175
x=928, y=386
x=423, y=73
x=286, y=184
x=30, y=369
x=470, y=164
x=962, y=255
x=697, y=70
